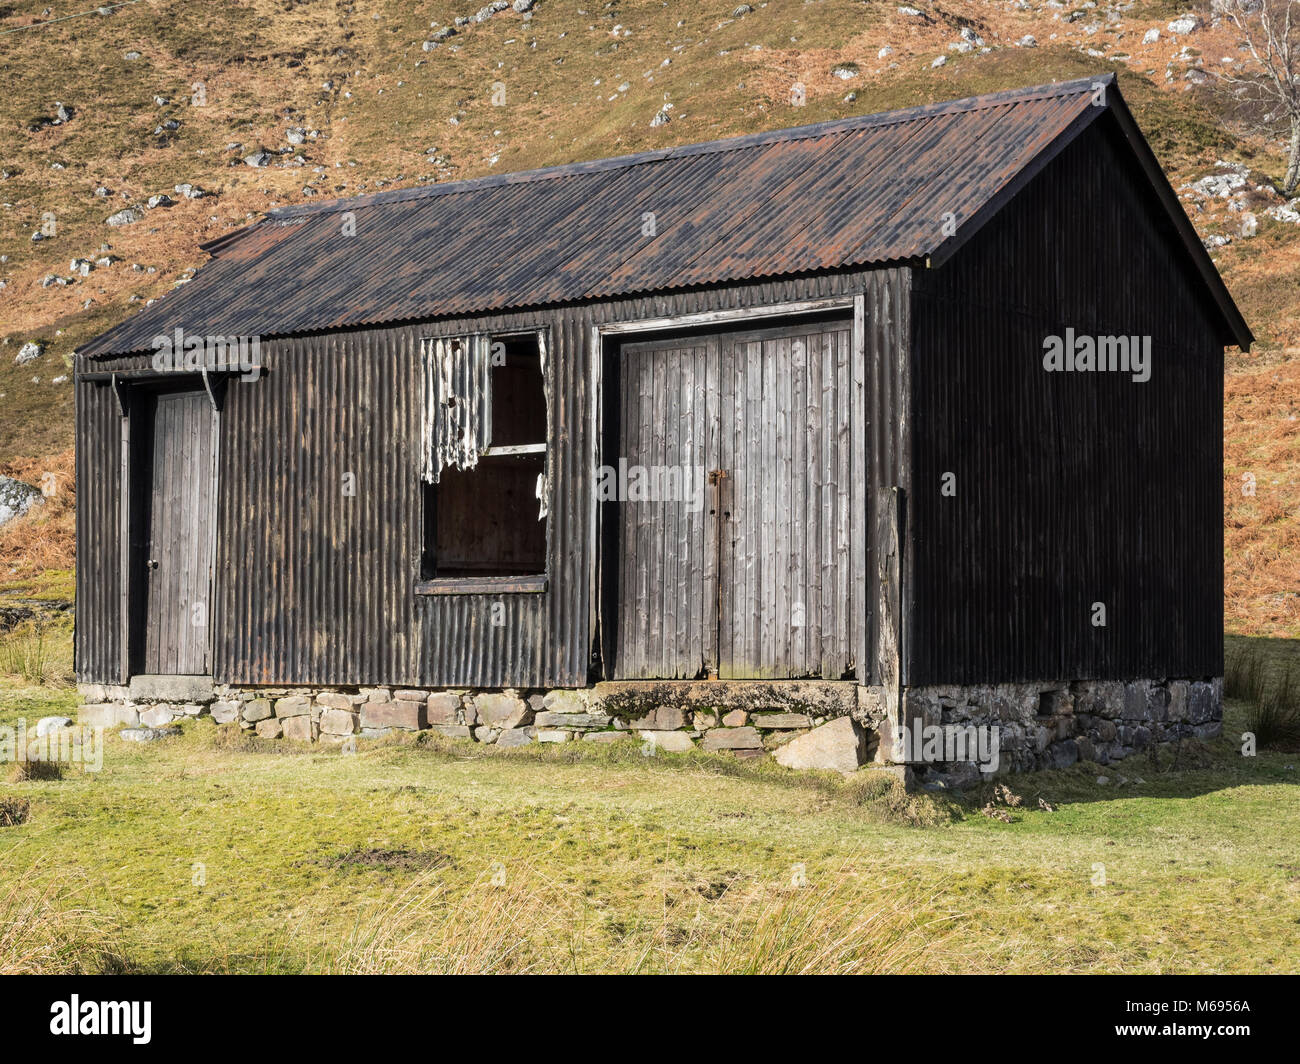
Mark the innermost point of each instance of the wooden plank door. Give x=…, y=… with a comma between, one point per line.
x=176, y=537
x=762, y=581
x=789, y=593
x=667, y=566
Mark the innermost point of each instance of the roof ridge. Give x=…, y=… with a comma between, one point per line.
x=879, y=119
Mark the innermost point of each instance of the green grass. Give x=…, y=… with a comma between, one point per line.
x=211, y=853
x=38, y=652
x=56, y=584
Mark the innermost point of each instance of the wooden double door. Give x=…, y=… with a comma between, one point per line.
x=752, y=567
x=173, y=477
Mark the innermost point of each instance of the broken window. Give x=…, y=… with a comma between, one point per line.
x=485, y=432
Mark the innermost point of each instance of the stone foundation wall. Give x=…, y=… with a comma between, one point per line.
x=508, y=717
x=836, y=726
x=1046, y=725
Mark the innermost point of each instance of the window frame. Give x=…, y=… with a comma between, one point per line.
x=522, y=584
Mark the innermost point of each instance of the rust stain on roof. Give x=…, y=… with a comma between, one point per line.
x=853, y=192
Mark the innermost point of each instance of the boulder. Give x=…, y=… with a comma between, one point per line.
x=670, y=742
x=442, y=708
x=16, y=498
x=108, y=715
x=781, y=720
x=1063, y=754
x=661, y=718
x=516, y=737
x=156, y=716
x=565, y=701
x=410, y=695
x=404, y=713
x=839, y=745
x=293, y=706
x=147, y=735
x=301, y=729
x=256, y=710
x=502, y=710
x=225, y=712
x=733, y=739
x=338, y=722
x=737, y=718
x=126, y=216
x=553, y=735
x=29, y=352
x=270, y=728
x=547, y=719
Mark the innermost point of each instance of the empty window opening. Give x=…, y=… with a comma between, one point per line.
x=485, y=504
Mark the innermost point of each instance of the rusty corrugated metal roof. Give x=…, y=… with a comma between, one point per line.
x=853, y=192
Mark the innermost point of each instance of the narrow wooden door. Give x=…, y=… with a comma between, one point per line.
x=667, y=577
x=176, y=534
x=761, y=579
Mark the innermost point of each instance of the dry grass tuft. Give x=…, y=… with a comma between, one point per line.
x=491, y=928
x=38, y=652
x=35, y=771
x=831, y=928
x=44, y=932
x=1274, y=714
x=14, y=811
x=527, y=925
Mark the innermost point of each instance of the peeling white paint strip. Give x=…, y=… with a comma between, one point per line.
x=541, y=496
x=458, y=403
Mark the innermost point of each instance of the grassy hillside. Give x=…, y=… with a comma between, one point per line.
x=163, y=93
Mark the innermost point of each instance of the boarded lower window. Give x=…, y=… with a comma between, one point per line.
x=486, y=488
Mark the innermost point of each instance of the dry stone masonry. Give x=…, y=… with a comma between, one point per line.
x=1038, y=726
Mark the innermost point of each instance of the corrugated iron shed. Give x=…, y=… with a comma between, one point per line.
x=884, y=188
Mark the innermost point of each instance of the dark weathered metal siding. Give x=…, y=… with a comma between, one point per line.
x=314, y=582
x=99, y=635
x=1072, y=488
x=313, y=586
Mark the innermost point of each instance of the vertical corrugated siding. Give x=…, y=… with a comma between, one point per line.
x=99, y=453
x=1073, y=488
x=317, y=587
x=887, y=342
x=319, y=513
